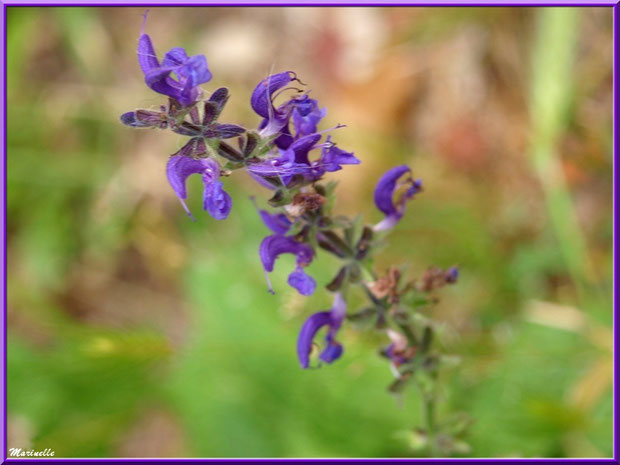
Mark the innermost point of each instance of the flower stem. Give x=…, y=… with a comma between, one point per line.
x=428, y=407
x=428, y=417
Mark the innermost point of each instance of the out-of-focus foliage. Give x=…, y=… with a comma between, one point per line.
x=136, y=332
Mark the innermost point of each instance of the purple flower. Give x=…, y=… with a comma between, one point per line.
x=332, y=319
x=452, y=275
x=304, y=283
x=275, y=245
x=295, y=161
x=306, y=116
x=384, y=195
x=274, y=119
x=278, y=223
x=399, y=351
x=215, y=200
x=277, y=168
x=332, y=157
x=190, y=72
x=291, y=162
x=298, y=151
x=304, y=110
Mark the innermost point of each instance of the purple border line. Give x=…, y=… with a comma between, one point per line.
x=315, y=3
x=454, y=3
x=310, y=460
x=3, y=197
x=616, y=25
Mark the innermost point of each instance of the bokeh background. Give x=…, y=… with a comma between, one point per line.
x=136, y=332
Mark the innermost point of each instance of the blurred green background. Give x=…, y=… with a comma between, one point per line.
x=136, y=332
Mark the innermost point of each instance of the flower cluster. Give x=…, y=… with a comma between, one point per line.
x=288, y=155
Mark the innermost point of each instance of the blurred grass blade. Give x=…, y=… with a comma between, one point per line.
x=550, y=99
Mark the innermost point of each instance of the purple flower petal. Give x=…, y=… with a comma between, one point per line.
x=190, y=71
x=309, y=329
x=332, y=352
x=452, y=274
x=279, y=167
x=179, y=168
x=332, y=157
x=216, y=201
x=278, y=223
x=261, y=97
x=304, y=283
x=174, y=57
x=385, y=189
x=285, y=139
x=159, y=80
x=275, y=245
x=306, y=116
x=211, y=172
x=147, y=58
x=313, y=325
x=384, y=193
x=196, y=68
x=300, y=148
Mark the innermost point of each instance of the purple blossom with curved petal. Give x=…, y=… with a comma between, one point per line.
x=215, y=200
x=332, y=319
x=190, y=72
x=290, y=162
x=306, y=116
x=332, y=157
x=298, y=151
x=274, y=119
x=275, y=245
x=384, y=195
x=304, y=110
x=301, y=281
x=263, y=92
x=278, y=167
x=277, y=222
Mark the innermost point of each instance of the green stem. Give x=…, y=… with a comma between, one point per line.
x=428, y=412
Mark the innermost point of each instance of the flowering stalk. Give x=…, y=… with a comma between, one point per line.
x=288, y=156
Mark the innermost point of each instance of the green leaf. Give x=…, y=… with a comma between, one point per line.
x=280, y=198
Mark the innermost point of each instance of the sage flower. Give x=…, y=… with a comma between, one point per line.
x=332, y=157
x=306, y=115
x=389, y=187
x=275, y=245
x=332, y=319
x=215, y=200
x=190, y=72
